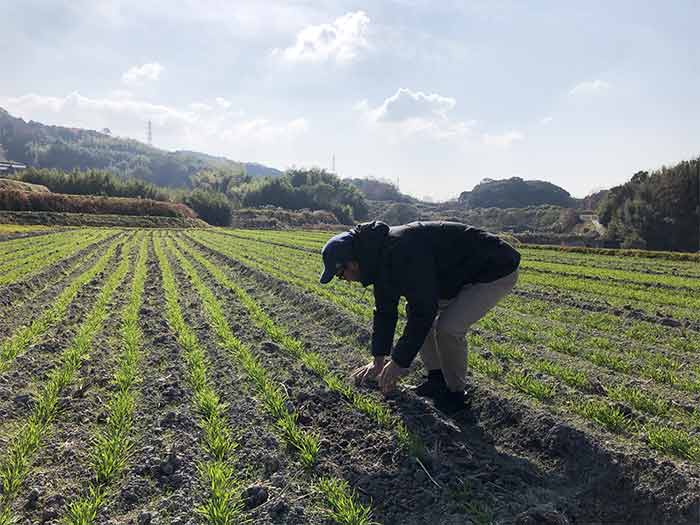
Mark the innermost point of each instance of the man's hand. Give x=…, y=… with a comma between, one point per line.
x=369, y=371
x=390, y=375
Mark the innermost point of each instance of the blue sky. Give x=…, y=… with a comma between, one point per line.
x=438, y=94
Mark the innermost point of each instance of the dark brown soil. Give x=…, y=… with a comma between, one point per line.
x=524, y=450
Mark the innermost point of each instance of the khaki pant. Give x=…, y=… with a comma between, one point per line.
x=445, y=346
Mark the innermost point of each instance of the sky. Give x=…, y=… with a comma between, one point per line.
x=434, y=96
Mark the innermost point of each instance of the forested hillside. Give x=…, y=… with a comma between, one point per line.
x=658, y=210
x=65, y=148
x=515, y=193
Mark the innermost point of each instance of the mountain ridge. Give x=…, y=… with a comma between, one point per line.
x=49, y=146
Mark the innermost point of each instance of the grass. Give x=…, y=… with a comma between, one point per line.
x=222, y=505
x=30, y=334
x=112, y=443
x=604, y=414
x=16, y=461
x=366, y=404
x=344, y=508
x=673, y=441
x=529, y=385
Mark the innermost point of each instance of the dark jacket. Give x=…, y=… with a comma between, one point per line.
x=423, y=262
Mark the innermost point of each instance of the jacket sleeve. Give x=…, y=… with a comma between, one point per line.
x=420, y=287
x=386, y=303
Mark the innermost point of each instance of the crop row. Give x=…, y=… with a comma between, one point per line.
x=16, y=459
x=27, y=335
x=44, y=259
x=625, y=288
x=24, y=243
x=520, y=381
x=639, y=333
x=634, y=359
x=112, y=443
x=339, y=498
x=10, y=254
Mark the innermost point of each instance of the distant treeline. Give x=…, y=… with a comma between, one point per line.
x=216, y=193
x=656, y=211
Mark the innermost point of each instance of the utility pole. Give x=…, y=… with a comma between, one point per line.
x=333, y=164
x=149, y=134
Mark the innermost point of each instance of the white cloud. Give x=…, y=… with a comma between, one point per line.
x=546, y=120
x=340, y=41
x=414, y=112
x=197, y=127
x=200, y=107
x=406, y=104
x=222, y=102
x=140, y=74
x=503, y=140
x=591, y=87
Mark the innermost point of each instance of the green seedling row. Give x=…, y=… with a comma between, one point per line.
x=342, y=503
x=112, y=443
x=44, y=242
x=273, y=398
x=528, y=334
x=625, y=358
x=366, y=404
x=43, y=260
x=27, y=335
x=24, y=243
x=16, y=459
x=222, y=504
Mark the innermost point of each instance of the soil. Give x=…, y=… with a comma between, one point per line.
x=529, y=453
x=504, y=459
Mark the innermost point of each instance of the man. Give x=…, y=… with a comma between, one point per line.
x=450, y=274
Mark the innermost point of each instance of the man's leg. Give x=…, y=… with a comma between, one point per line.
x=429, y=351
x=434, y=385
x=470, y=305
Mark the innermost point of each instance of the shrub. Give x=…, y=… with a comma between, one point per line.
x=211, y=206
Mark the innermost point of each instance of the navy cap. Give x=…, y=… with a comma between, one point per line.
x=336, y=253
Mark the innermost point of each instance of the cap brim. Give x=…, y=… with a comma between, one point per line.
x=326, y=276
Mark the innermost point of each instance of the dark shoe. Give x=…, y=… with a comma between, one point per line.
x=433, y=386
x=450, y=403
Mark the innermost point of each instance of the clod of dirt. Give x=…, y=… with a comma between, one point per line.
x=279, y=508
x=564, y=440
x=170, y=464
x=23, y=401
x=254, y=496
x=538, y=516
x=271, y=463
x=32, y=499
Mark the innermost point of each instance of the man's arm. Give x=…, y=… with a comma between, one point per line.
x=386, y=303
x=420, y=285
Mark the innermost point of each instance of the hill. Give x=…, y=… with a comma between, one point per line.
x=658, y=210
x=64, y=148
x=515, y=193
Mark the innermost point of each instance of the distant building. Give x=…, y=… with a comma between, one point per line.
x=9, y=167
